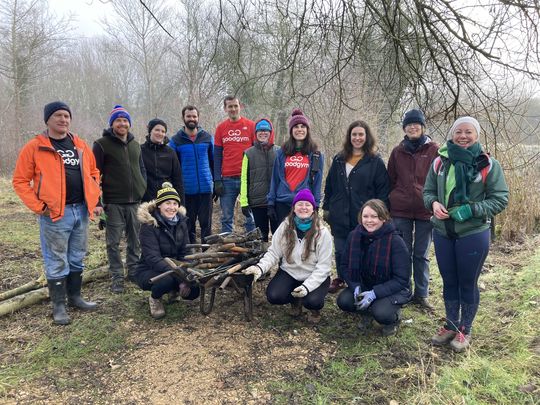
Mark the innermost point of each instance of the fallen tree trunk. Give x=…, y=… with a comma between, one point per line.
x=31, y=285
x=37, y=295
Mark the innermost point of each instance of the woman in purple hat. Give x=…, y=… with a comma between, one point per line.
x=304, y=247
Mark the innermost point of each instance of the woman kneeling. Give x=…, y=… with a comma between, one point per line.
x=375, y=263
x=163, y=233
x=305, y=248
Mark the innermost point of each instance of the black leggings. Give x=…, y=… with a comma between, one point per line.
x=279, y=290
x=383, y=310
x=163, y=286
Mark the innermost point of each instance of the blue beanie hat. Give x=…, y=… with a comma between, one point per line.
x=119, y=112
x=51, y=108
x=304, y=195
x=413, y=116
x=263, y=125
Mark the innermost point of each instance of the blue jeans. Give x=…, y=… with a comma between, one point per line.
x=231, y=190
x=63, y=243
x=417, y=235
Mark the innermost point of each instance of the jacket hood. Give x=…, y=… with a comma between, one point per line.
x=271, y=139
x=443, y=150
x=109, y=132
x=146, y=213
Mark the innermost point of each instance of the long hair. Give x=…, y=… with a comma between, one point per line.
x=310, y=236
x=370, y=146
x=308, y=145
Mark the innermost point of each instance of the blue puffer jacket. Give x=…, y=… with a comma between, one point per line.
x=197, y=160
x=279, y=188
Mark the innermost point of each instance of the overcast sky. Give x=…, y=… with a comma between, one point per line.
x=86, y=13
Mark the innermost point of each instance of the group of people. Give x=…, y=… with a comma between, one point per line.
x=381, y=219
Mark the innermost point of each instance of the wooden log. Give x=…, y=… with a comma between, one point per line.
x=33, y=297
x=207, y=255
x=31, y=285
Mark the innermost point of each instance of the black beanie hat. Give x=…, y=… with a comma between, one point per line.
x=412, y=116
x=51, y=108
x=156, y=121
x=167, y=192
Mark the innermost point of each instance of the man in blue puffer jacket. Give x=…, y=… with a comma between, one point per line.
x=195, y=149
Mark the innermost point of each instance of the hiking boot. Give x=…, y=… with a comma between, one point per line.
x=336, y=285
x=423, y=302
x=365, y=322
x=174, y=296
x=117, y=285
x=73, y=287
x=460, y=342
x=296, y=308
x=57, y=293
x=156, y=308
x=390, y=330
x=443, y=336
x=314, y=316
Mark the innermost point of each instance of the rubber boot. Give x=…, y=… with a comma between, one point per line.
x=57, y=293
x=74, y=282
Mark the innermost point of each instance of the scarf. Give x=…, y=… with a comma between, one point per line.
x=465, y=168
x=303, y=224
x=370, y=254
x=412, y=145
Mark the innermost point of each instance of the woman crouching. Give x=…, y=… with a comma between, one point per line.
x=304, y=247
x=163, y=233
x=376, y=268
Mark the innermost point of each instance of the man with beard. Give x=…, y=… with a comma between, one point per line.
x=195, y=150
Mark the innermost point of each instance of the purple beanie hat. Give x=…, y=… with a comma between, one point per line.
x=304, y=195
x=297, y=117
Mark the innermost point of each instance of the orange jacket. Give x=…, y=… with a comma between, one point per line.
x=40, y=181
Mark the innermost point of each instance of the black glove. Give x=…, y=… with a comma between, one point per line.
x=246, y=211
x=272, y=214
x=102, y=224
x=218, y=188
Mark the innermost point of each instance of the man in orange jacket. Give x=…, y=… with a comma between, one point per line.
x=56, y=177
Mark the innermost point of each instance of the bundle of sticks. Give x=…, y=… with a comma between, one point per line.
x=217, y=259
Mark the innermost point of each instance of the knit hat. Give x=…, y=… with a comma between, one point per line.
x=51, y=108
x=263, y=125
x=297, y=117
x=167, y=192
x=413, y=116
x=156, y=121
x=119, y=112
x=304, y=195
x=464, y=120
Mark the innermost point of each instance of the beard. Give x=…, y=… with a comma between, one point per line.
x=191, y=124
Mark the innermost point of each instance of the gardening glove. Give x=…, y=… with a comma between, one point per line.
x=326, y=216
x=367, y=298
x=300, y=291
x=255, y=271
x=461, y=213
x=272, y=214
x=246, y=211
x=102, y=224
x=356, y=295
x=219, y=189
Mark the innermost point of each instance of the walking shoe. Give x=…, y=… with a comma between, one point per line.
x=365, y=322
x=117, y=285
x=423, y=302
x=314, y=316
x=174, y=296
x=390, y=330
x=156, y=308
x=296, y=308
x=460, y=342
x=443, y=336
x=336, y=285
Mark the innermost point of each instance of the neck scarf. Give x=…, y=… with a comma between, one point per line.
x=412, y=145
x=303, y=224
x=465, y=168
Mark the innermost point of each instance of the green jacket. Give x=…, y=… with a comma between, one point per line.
x=487, y=197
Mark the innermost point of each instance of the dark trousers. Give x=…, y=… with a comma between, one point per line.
x=199, y=207
x=282, y=210
x=163, y=286
x=265, y=224
x=280, y=287
x=383, y=310
x=339, y=247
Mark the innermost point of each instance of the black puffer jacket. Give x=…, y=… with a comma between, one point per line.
x=343, y=197
x=160, y=240
x=161, y=164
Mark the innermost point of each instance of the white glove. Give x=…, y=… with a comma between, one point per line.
x=255, y=271
x=300, y=291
